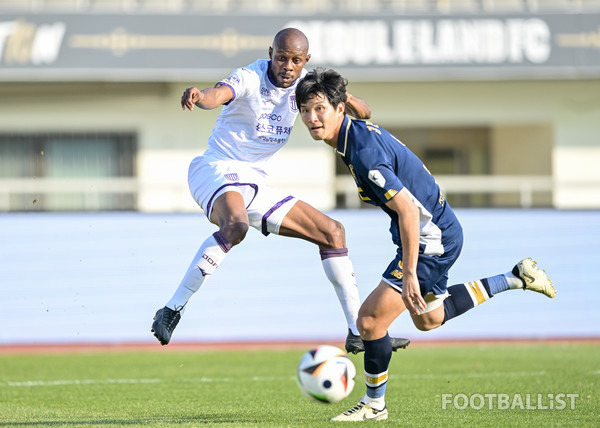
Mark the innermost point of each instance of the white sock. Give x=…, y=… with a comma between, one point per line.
x=376, y=403
x=514, y=282
x=210, y=255
x=340, y=273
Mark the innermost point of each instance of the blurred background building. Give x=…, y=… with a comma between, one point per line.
x=500, y=98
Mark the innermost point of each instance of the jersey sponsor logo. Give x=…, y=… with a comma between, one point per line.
x=270, y=116
x=232, y=176
x=264, y=92
x=293, y=105
x=376, y=177
x=272, y=139
x=273, y=129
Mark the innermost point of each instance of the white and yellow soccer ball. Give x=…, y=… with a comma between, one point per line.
x=326, y=374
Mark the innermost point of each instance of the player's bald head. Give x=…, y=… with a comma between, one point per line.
x=291, y=39
x=288, y=55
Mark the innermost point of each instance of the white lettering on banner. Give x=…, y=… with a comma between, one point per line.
x=22, y=42
x=421, y=41
x=46, y=44
x=6, y=28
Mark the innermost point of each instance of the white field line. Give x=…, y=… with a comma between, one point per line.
x=31, y=383
x=467, y=375
x=78, y=382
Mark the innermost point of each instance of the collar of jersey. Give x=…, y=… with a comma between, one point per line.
x=342, y=142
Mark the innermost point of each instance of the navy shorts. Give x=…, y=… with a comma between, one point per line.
x=432, y=271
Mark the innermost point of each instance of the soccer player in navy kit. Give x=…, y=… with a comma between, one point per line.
x=229, y=179
x=423, y=226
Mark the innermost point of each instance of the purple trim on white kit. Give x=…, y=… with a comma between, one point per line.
x=333, y=252
x=271, y=211
x=222, y=241
x=232, y=90
x=210, y=201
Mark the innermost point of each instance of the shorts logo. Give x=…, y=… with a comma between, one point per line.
x=232, y=176
x=397, y=273
x=293, y=105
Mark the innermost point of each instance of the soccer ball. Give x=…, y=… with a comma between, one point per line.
x=326, y=374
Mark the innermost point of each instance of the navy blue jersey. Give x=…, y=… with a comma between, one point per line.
x=382, y=166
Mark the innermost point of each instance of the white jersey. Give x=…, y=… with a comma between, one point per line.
x=258, y=121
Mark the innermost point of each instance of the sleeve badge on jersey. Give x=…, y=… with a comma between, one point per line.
x=376, y=177
x=232, y=80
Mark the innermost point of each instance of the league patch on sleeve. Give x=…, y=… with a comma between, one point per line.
x=376, y=177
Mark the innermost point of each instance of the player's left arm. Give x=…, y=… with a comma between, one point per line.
x=357, y=107
x=410, y=230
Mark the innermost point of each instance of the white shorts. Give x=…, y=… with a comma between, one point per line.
x=210, y=177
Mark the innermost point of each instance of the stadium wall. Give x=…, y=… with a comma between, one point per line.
x=99, y=278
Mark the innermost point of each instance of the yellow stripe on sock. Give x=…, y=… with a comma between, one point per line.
x=476, y=289
x=375, y=380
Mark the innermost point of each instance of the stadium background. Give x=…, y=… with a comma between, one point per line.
x=97, y=222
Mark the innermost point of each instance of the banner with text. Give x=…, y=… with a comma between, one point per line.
x=364, y=48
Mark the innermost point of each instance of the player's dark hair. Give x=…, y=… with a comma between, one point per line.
x=328, y=83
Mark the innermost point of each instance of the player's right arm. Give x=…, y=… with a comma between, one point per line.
x=409, y=225
x=206, y=99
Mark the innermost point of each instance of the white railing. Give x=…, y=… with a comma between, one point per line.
x=523, y=185
x=151, y=195
x=90, y=188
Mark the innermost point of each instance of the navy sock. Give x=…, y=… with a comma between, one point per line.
x=458, y=303
x=465, y=296
x=378, y=354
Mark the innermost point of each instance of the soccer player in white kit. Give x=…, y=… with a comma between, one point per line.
x=228, y=180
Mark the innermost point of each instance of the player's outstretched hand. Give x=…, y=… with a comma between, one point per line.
x=189, y=98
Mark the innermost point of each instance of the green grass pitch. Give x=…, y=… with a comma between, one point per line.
x=257, y=388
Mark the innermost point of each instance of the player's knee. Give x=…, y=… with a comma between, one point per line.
x=235, y=232
x=335, y=234
x=366, y=325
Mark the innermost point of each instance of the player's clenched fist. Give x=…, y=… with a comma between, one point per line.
x=190, y=97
